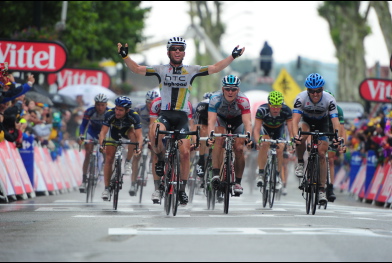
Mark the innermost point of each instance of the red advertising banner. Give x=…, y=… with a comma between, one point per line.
x=13, y=172
x=44, y=168
x=42, y=56
x=73, y=76
x=376, y=183
x=377, y=90
x=386, y=188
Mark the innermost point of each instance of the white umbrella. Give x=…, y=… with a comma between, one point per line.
x=88, y=91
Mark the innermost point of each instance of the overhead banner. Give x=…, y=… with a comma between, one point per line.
x=73, y=76
x=41, y=56
x=376, y=90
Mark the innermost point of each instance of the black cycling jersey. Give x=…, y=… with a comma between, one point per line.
x=201, y=114
x=273, y=126
x=121, y=126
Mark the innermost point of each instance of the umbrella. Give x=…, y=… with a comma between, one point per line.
x=63, y=100
x=88, y=91
x=38, y=97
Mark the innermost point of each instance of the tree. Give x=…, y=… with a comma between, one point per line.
x=385, y=20
x=348, y=29
x=93, y=28
x=209, y=18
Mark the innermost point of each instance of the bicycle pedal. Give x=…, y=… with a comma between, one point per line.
x=156, y=202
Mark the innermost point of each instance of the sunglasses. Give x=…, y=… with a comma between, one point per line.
x=275, y=106
x=175, y=48
x=231, y=89
x=312, y=91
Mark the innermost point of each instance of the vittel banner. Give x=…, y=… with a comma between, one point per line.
x=377, y=90
x=73, y=76
x=42, y=56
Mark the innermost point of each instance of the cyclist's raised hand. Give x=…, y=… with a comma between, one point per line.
x=237, y=52
x=122, y=51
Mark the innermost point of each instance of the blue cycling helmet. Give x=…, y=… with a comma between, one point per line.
x=314, y=81
x=207, y=95
x=152, y=95
x=123, y=101
x=231, y=81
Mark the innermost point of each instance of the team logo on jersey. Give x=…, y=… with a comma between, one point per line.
x=184, y=72
x=332, y=106
x=298, y=104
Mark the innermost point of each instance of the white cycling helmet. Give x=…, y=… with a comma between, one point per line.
x=151, y=95
x=177, y=41
x=101, y=98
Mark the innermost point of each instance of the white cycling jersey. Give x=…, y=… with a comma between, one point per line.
x=175, y=84
x=316, y=111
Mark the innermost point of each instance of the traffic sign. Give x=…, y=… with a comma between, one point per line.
x=287, y=85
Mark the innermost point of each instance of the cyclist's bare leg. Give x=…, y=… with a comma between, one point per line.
x=239, y=163
x=135, y=167
x=323, y=147
x=217, y=152
x=107, y=172
x=279, y=153
x=300, y=148
x=88, y=148
x=185, y=158
x=263, y=152
x=159, y=148
x=331, y=160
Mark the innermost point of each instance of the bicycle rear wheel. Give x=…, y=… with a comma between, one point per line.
x=192, y=184
x=117, y=184
x=176, y=181
x=272, y=182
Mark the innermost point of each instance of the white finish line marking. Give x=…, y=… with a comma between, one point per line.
x=242, y=231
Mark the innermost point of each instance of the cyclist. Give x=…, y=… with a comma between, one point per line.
x=175, y=83
x=93, y=119
x=270, y=124
x=332, y=153
x=120, y=121
x=144, y=112
x=315, y=107
x=229, y=107
x=154, y=114
x=201, y=119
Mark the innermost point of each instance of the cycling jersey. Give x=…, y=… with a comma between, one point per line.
x=201, y=113
x=156, y=108
x=144, y=115
x=273, y=126
x=340, y=116
x=121, y=126
x=94, y=122
x=175, y=84
x=315, y=111
x=229, y=110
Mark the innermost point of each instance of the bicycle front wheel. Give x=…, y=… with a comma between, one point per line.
x=90, y=180
x=265, y=187
x=227, y=172
x=272, y=182
x=168, y=187
x=141, y=176
x=176, y=181
x=117, y=184
x=315, y=183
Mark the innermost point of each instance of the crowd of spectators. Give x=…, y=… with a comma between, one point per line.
x=21, y=117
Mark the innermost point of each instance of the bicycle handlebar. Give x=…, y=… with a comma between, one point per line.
x=230, y=135
x=275, y=141
x=122, y=141
x=177, y=132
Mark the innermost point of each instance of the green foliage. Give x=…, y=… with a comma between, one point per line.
x=93, y=28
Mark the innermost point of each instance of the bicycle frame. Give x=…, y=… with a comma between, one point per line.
x=209, y=191
x=172, y=166
x=271, y=171
x=227, y=170
x=116, y=179
x=311, y=180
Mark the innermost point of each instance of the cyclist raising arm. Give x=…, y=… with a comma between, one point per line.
x=120, y=121
x=315, y=107
x=269, y=124
x=229, y=106
x=175, y=83
x=93, y=118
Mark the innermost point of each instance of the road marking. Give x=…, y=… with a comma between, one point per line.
x=243, y=231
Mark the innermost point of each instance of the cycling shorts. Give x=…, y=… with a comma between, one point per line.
x=236, y=124
x=273, y=133
x=320, y=125
x=175, y=120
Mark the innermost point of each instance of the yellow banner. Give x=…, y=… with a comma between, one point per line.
x=287, y=85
